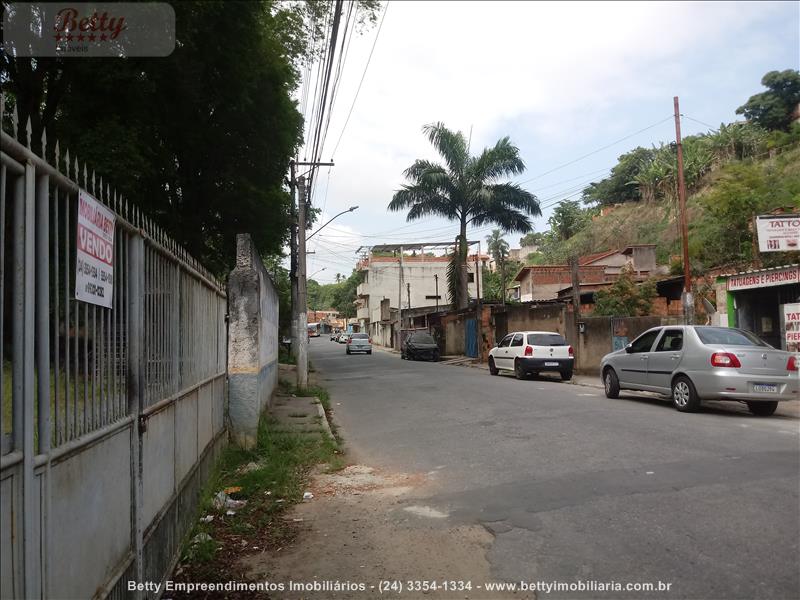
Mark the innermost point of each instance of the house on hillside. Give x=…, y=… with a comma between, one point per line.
x=544, y=282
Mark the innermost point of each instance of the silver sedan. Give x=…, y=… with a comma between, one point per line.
x=693, y=363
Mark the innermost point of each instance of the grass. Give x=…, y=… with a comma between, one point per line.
x=284, y=462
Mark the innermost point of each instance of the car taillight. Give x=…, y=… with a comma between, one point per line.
x=571, y=351
x=528, y=351
x=725, y=359
x=348, y=340
x=792, y=364
x=370, y=340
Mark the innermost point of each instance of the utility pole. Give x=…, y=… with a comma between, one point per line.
x=688, y=300
x=478, y=328
x=302, y=318
x=299, y=296
x=408, y=294
x=436, y=282
x=400, y=290
x=293, y=260
x=503, y=279
x=576, y=306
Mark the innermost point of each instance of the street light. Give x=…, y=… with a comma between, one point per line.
x=315, y=272
x=351, y=209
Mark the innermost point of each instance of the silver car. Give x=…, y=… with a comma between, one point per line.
x=692, y=363
x=359, y=342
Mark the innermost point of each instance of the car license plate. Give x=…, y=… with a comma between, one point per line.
x=765, y=387
x=551, y=364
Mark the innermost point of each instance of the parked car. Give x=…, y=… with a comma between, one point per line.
x=693, y=363
x=342, y=339
x=420, y=345
x=532, y=352
x=359, y=342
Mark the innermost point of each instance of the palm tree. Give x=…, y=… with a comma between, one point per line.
x=466, y=189
x=498, y=248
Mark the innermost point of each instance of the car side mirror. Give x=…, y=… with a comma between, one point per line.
x=629, y=348
x=497, y=344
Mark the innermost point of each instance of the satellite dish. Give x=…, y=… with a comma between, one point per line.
x=710, y=308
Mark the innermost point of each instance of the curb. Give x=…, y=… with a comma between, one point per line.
x=324, y=419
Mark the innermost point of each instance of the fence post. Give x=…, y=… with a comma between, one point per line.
x=135, y=391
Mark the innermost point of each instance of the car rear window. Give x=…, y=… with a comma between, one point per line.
x=422, y=338
x=360, y=336
x=546, y=339
x=728, y=337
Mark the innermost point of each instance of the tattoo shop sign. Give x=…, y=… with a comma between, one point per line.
x=94, y=266
x=778, y=233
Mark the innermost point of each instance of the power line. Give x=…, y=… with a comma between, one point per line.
x=606, y=147
x=363, y=75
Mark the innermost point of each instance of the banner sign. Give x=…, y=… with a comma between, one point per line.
x=791, y=319
x=94, y=262
x=747, y=281
x=778, y=233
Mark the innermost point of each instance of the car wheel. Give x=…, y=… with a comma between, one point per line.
x=566, y=375
x=763, y=409
x=435, y=357
x=684, y=396
x=492, y=368
x=347, y=350
x=369, y=351
x=611, y=383
x=519, y=371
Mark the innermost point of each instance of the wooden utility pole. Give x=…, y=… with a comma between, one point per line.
x=478, y=328
x=688, y=300
x=293, y=260
x=576, y=306
x=400, y=290
x=408, y=294
x=436, y=280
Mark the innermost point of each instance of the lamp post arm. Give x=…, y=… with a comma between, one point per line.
x=351, y=209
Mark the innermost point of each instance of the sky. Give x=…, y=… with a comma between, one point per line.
x=574, y=85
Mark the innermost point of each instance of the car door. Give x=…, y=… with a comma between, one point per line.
x=515, y=349
x=665, y=358
x=501, y=352
x=633, y=363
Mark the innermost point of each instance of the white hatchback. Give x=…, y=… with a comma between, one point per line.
x=532, y=352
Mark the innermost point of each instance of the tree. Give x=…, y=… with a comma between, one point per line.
x=534, y=238
x=568, y=218
x=498, y=248
x=466, y=189
x=773, y=109
x=620, y=185
x=624, y=298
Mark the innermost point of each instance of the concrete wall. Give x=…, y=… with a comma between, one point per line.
x=252, y=342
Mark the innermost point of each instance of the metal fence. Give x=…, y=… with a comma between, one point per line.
x=100, y=406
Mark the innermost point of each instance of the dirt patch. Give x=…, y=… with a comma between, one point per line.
x=365, y=526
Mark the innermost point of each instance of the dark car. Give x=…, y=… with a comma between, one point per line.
x=420, y=346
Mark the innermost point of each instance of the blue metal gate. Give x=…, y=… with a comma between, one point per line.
x=471, y=338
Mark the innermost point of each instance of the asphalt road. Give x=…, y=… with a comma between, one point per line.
x=577, y=487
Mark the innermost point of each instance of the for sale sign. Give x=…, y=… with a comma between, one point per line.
x=778, y=233
x=94, y=268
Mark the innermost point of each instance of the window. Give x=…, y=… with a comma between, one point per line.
x=672, y=340
x=517, y=341
x=433, y=297
x=471, y=277
x=359, y=336
x=422, y=338
x=505, y=342
x=644, y=342
x=546, y=339
x=728, y=337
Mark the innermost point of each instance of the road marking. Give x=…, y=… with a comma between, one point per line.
x=649, y=472
x=594, y=395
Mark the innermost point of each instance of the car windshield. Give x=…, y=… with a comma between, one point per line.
x=422, y=338
x=546, y=339
x=360, y=336
x=729, y=337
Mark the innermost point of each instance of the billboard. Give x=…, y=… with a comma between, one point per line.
x=779, y=233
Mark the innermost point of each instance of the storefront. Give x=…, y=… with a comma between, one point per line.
x=760, y=301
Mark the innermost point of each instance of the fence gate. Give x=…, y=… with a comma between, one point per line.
x=471, y=338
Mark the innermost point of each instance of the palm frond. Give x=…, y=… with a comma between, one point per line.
x=451, y=145
x=501, y=160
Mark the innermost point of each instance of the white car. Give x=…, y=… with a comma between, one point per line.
x=532, y=352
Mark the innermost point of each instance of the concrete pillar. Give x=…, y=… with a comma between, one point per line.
x=252, y=342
